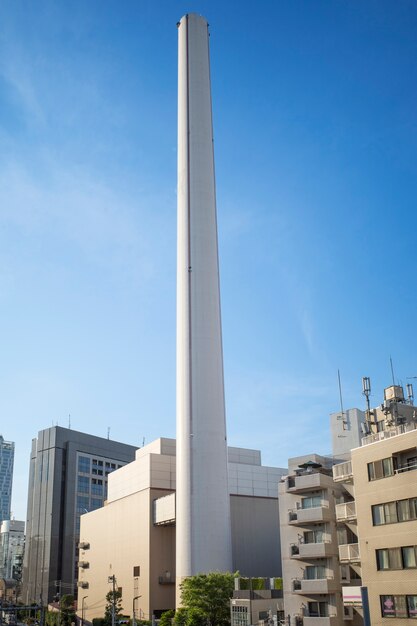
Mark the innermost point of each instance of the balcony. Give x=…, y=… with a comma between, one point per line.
x=349, y=553
x=342, y=472
x=308, y=587
x=316, y=550
x=320, y=621
x=310, y=516
x=307, y=481
x=346, y=511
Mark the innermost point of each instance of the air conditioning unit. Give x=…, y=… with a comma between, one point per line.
x=84, y=564
x=84, y=545
x=83, y=584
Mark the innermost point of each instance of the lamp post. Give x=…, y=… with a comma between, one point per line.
x=133, y=609
x=82, y=610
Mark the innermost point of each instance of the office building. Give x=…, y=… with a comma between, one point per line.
x=133, y=536
x=203, y=506
x=6, y=477
x=68, y=477
x=12, y=544
x=348, y=529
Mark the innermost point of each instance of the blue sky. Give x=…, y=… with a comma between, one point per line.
x=315, y=145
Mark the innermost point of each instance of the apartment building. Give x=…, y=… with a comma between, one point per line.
x=380, y=505
x=349, y=529
x=311, y=570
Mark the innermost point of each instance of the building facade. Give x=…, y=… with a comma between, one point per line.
x=6, y=477
x=352, y=533
x=12, y=544
x=380, y=483
x=68, y=476
x=133, y=536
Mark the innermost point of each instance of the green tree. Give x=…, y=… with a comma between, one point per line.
x=166, y=618
x=206, y=599
x=67, y=610
x=116, y=599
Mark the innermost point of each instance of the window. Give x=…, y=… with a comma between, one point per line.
x=136, y=571
x=84, y=464
x=409, y=557
x=315, y=572
x=240, y=616
x=83, y=484
x=96, y=503
x=392, y=512
x=96, y=490
x=412, y=606
x=399, y=606
x=311, y=502
x=381, y=469
x=83, y=502
x=318, y=609
x=397, y=558
x=382, y=560
x=314, y=536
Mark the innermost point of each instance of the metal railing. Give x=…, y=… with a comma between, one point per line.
x=342, y=471
x=346, y=510
x=388, y=433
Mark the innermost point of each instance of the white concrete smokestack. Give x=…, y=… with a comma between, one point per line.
x=203, y=530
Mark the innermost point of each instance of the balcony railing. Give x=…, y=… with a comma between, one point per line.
x=406, y=468
x=349, y=553
x=320, y=513
x=346, y=511
x=387, y=434
x=342, y=471
x=314, y=585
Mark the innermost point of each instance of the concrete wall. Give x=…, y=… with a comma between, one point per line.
x=255, y=536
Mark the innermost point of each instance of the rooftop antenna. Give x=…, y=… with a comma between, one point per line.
x=410, y=393
x=143, y=442
x=69, y=420
x=366, y=390
x=340, y=392
x=108, y=432
x=392, y=370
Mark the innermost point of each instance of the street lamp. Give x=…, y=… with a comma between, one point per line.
x=82, y=610
x=133, y=610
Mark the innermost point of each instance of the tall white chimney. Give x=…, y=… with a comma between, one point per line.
x=203, y=532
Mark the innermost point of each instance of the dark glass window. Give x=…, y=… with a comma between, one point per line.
x=83, y=484
x=84, y=464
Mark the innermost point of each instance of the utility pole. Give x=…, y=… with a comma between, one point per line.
x=112, y=579
x=83, y=610
x=58, y=583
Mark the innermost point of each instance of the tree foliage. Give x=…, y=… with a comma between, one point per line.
x=205, y=599
x=116, y=599
x=166, y=618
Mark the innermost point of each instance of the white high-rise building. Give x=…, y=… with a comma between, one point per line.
x=12, y=543
x=203, y=541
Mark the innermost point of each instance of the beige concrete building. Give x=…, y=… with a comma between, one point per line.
x=356, y=527
x=133, y=536
x=310, y=563
x=381, y=506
